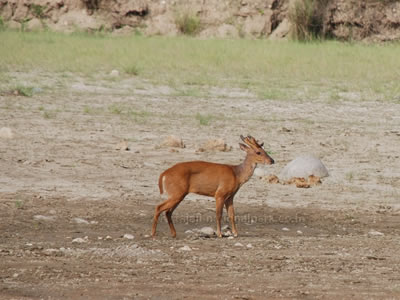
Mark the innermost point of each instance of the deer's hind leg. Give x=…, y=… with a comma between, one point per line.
x=169, y=206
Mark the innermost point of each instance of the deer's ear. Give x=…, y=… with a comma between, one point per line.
x=243, y=147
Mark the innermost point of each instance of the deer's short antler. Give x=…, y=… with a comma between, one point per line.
x=252, y=142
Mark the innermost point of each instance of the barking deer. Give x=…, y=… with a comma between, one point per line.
x=209, y=179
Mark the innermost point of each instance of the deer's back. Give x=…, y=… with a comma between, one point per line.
x=200, y=177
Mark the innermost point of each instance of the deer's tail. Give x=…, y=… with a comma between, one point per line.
x=161, y=183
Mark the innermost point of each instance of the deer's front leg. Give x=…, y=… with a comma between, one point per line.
x=231, y=214
x=219, y=208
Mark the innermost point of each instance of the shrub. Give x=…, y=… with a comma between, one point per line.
x=306, y=17
x=188, y=24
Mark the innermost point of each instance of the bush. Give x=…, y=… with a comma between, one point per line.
x=188, y=24
x=306, y=17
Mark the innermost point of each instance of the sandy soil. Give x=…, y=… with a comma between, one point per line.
x=62, y=179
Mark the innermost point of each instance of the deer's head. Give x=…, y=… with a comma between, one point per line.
x=255, y=151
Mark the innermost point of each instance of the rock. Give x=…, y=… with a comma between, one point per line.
x=80, y=240
x=13, y=25
x=108, y=238
x=173, y=141
x=6, y=133
x=44, y=218
x=271, y=179
x=285, y=229
x=185, y=248
x=214, y=145
x=304, y=166
x=123, y=146
x=260, y=171
x=238, y=244
x=249, y=246
x=34, y=25
x=207, y=231
x=375, y=233
x=128, y=236
x=80, y=221
x=114, y=73
x=299, y=232
x=281, y=31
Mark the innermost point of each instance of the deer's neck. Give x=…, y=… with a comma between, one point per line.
x=245, y=170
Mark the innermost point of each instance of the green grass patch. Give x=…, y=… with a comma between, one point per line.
x=204, y=119
x=282, y=70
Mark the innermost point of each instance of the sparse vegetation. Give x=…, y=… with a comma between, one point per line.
x=38, y=10
x=306, y=17
x=188, y=24
x=204, y=119
x=289, y=70
x=132, y=70
x=26, y=91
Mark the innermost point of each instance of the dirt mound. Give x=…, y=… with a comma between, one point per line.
x=345, y=20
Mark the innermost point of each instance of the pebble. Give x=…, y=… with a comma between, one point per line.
x=80, y=221
x=114, y=73
x=108, y=238
x=185, y=248
x=6, y=133
x=299, y=232
x=207, y=231
x=238, y=244
x=44, y=218
x=128, y=236
x=376, y=233
x=79, y=240
x=249, y=246
x=285, y=229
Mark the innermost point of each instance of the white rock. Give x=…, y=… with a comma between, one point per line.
x=185, y=248
x=207, y=231
x=189, y=232
x=80, y=221
x=114, y=73
x=299, y=232
x=44, y=218
x=6, y=133
x=238, y=244
x=79, y=241
x=261, y=171
x=304, y=166
x=128, y=236
x=249, y=246
x=108, y=238
x=376, y=233
x=285, y=229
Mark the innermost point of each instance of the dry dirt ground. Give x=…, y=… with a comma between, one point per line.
x=62, y=179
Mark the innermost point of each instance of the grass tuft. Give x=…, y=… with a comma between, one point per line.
x=188, y=24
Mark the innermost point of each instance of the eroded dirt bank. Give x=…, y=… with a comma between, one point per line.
x=344, y=20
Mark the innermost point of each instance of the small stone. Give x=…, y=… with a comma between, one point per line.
x=123, y=146
x=6, y=133
x=44, y=218
x=376, y=233
x=189, y=232
x=80, y=221
x=114, y=73
x=238, y=244
x=285, y=229
x=108, y=238
x=79, y=241
x=249, y=246
x=185, y=248
x=173, y=141
x=299, y=232
x=231, y=237
x=207, y=231
x=128, y=236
